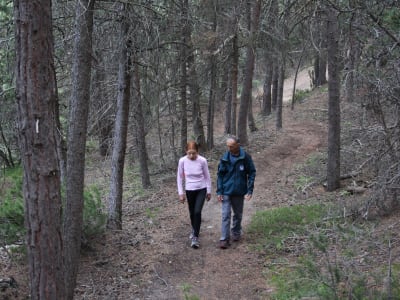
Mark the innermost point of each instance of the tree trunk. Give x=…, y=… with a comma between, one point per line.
x=320, y=57
x=333, y=167
x=6, y=155
x=234, y=82
x=211, y=104
x=114, y=220
x=228, y=106
x=295, y=77
x=36, y=97
x=184, y=81
x=248, y=76
x=351, y=62
x=103, y=113
x=250, y=116
x=275, y=81
x=213, y=89
x=279, y=98
x=140, y=131
x=78, y=115
x=267, y=95
x=195, y=93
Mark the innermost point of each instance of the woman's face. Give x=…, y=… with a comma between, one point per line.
x=191, y=154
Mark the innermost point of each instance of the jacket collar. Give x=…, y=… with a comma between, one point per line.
x=227, y=153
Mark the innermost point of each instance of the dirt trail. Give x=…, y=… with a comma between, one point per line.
x=152, y=259
x=164, y=265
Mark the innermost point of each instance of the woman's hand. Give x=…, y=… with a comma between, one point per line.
x=182, y=198
x=208, y=197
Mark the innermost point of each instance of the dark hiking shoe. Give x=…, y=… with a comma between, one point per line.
x=224, y=244
x=236, y=237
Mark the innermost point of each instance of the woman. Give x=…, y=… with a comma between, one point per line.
x=194, y=184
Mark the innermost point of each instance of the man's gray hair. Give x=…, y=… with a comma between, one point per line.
x=233, y=138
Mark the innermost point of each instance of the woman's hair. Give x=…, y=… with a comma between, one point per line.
x=192, y=145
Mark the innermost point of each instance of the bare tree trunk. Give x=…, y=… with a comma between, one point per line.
x=248, y=76
x=6, y=155
x=114, y=220
x=279, y=100
x=195, y=93
x=104, y=118
x=295, y=77
x=250, y=116
x=140, y=131
x=184, y=83
x=267, y=95
x=36, y=96
x=78, y=115
x=351, y=62
x=213, y=89
x=211, y=105
x=228, y=106
x=333, y=167
x=275, y=81
x=234, y=82
x=320, y=57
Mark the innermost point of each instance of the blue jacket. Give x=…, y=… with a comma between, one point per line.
x=237, y=178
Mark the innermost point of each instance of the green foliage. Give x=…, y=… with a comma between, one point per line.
x=276, y=225
x=300, y=95
x=12, y=228
x=302, y=181
x=392, y=18
x=94, y=217
x=186, y=292
x=11, y=207
x=331, y=267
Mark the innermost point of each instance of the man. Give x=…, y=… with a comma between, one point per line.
x=235, y=182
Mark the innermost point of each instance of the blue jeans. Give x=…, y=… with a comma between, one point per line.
x=235, y=204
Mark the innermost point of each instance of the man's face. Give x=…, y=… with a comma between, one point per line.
x=233, y=146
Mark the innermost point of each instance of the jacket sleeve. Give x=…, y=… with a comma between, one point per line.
x=180, y=175
x=219, y=181
x=251, y=174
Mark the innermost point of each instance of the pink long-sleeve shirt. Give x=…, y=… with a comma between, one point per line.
x=193, y=175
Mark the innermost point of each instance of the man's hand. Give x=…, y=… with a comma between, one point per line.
x=248, y=197
x=220, y=198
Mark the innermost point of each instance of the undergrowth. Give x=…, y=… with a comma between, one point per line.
x=327, y=257
x=12, y=228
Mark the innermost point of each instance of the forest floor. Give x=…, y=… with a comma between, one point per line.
x=151, y=257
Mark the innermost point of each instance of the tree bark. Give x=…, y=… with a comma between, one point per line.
x=36, y=96
x=184, y=81
x=77, y=131
x=267, y=94
x=114, y=220
x=275, y=81
x=213, y=89
x=279, y=98
x=234, y=82
x=248, y=76
x=140, y=131
x=333, y=166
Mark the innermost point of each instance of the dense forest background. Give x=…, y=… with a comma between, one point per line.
x=133, y=81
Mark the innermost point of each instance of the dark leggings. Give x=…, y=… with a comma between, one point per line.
x=195, y=201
